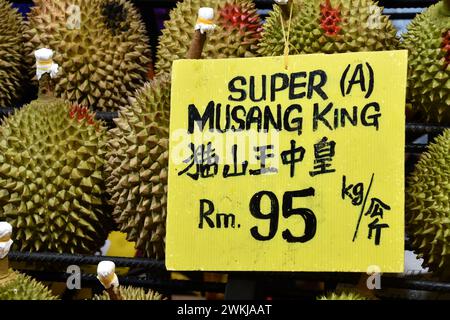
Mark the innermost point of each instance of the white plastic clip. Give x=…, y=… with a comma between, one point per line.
x=45, y=64
x=106, y=274
x=205, y=20
x=5, y=239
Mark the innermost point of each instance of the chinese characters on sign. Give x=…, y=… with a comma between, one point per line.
x=297, y=169
x=204, y=163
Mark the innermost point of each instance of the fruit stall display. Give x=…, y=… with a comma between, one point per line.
x=90, y=156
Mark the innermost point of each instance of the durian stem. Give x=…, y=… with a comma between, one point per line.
x=286, y=9
x=4, y=268
x=46, y=89
x=114, y=293
x=196, y=48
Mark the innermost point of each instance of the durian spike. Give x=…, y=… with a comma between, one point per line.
x=445, y=10
x=5, y=245
x=285, y=6
x=106, y=275
x=204, y=24
x=46, y=70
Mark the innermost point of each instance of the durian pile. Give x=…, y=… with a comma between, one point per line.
x=12, y=67
x=25, y=288
x=130, y=293
x=428, y=206
x=328, y=26
x=237, y=32
x=52, y=157
x=428, y=43
x=101, y=47
x=137, y=163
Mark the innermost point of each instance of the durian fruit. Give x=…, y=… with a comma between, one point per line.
x=52, y=191
x=328, y=26
x=130, y=293
x=23, y=287
x=237, y=32
x=137, y=163
x=342, y=296
x=104, y=57
x=11, y=54
x=428, y=43
x=428, y=206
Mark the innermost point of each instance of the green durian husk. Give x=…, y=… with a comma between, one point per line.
x=52, y=179
x=428, y=75
x=343, y=296
x=12, y=63
x=223, y=42
x=102, y=63
x=137, y=167
x=307, y=36
x=130, y=293
x=23, y=287
x=428, y=207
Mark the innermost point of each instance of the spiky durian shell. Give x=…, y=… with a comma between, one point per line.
x=428, y=43
x=130, y=293
x=51, y=178
x=25, y=288
x=137, y=167
x=11, y=54
x=237, y=32
x=342, y=296
x=353, y=26
x=428, y=206
x=103, y=62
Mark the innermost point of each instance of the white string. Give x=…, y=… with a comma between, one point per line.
x=286, y=38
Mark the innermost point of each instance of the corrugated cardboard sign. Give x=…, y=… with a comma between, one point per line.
x=288, y=168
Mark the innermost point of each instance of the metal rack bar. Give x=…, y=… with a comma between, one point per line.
x=402, y=283
x=424, y=128
x=416, y=148
x=107, y=117
x=181, y=285
x=161, y=285
x=68, y=259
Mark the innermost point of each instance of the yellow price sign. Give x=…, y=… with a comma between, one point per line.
x=288, y=168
